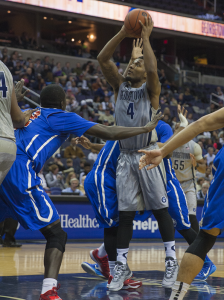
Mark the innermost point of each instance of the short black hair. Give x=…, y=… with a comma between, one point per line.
x=87, y=164
x=51, y=96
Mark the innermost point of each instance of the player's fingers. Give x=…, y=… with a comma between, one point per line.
x=141, y=43
x=146, y=21
x=151, y=167
x=26, y=91
x=133, y=46
x=141, y=23
x=143, y=151
x=185, y=114
x=137, y=43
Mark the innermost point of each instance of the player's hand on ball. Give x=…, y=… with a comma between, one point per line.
x=193, y=160
x=153, y=123
x=83, y=141
x=147, y=28
x=152, y=158
x=137, y=49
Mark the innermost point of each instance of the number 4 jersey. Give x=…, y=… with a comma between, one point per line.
x=6, y=87
x=182, y=161
x=133, y=109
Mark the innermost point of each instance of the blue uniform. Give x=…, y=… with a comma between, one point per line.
x=21, y=194
x=213, y=211
x=100, y=185
x=177, y=200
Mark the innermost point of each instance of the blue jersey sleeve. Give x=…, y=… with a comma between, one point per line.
x=67, y=122
x=164, y=132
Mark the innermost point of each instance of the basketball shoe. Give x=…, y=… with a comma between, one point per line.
x=128, y=284
x=207, y=269
x=51, y=294
x=102, y=262
x=92, y=269
x=122, y=273
x=171, y=272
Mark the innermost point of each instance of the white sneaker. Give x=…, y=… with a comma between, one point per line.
x=171, y=272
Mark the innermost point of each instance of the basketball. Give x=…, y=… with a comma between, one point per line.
x=132, y=24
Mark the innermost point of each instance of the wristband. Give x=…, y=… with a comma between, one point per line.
x=183, y=120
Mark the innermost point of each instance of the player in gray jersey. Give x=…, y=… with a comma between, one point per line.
x=137, y=100
x=185, y=160
x=10, y=116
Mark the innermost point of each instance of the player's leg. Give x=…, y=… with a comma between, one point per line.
x=110, y=243
x=193, y=261
x=7, y=157
x=9, y=229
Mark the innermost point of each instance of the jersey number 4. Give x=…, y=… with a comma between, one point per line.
x=3, y=87
x=178, y=165
x=130, y=111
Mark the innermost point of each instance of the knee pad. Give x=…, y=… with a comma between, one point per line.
x=56, y=237
x=202, y=244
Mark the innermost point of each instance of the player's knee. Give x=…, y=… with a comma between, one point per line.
x=202, y=244
x=126, y=218
x=56, y=237
x=160, y=213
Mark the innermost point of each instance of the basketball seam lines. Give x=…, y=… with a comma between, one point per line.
x=136, y=19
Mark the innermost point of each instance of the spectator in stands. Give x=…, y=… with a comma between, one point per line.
x=211, y=108
x=46, y=74
x=187, y=97
x=31, y=78
x=162, y=76
x=96, y=85
x=78, y=69
x=107, y=116
x=69, y=95
x=87, y=169
x=190, y=118
x=200, y=181
x=210, y=156
x=58, y=162
x=43, y=180
x=54, y=178
x=66, y=69
x=219, y=92
x=73, y=150
x=208, y=173
x=17, y=70
x=217, y=145
x=69, y=163
x=202, y=193
x=74, y=88
x=93, y=155
x=70, y=176
x=105, y=122
x=73, y=189
x=173, y=102
x=120, y=70
x=68, y=105
x=85, y=111
x=38, y=67
x=96, y=102
x=81, y=186
x=202, y=147
x=106, y=102
x=57, y=71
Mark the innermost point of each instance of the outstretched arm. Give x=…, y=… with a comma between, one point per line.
x=119, y=133
x=87, y=144
x=152, y=80
x=209, y=122
x=108, y=68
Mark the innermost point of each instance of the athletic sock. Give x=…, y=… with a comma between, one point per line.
x=179, y=290
x=122, y=255
x=101, y=251
x=48, y=284
x=112, y=266
x=170, y=249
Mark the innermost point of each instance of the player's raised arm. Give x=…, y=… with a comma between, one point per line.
x=118, y=132
x=18, y=118
x=108, y=68
x=209, y=122
x=150, y=62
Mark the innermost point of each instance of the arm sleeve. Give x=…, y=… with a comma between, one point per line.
x=197, y=152
x=164, y=132
x=68, y=122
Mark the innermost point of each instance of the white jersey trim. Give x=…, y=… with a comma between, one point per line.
x=46, y=220
x=95, y=177
x=178, y=202
x=102, y=182
x=31, y=142
x=48, y=141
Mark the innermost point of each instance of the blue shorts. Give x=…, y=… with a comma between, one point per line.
x=177, y=205
x=101, y=192
x=213, y=211
x=23, y=198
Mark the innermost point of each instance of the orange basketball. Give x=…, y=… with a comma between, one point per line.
x=132, y=24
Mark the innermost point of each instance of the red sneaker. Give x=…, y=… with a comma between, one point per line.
x=131, y=284
x=51, y=294
x=102, y=262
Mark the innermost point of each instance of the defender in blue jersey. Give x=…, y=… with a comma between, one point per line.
x=213, y=215
x=21, y=194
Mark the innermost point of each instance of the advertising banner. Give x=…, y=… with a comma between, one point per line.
x=118, y=12
x=78, y=220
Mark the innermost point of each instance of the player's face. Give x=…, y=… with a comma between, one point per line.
x=136, y=71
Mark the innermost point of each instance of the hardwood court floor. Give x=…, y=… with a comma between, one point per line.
x=21, y=273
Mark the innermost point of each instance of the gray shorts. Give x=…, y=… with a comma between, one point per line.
x=140, y=190
x=189, y=189
x=7, y=156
